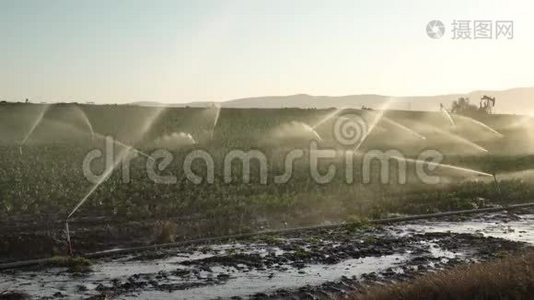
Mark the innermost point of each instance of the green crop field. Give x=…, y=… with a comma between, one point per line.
x=44, y=178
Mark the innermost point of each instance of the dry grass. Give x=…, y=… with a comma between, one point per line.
x=508, y=278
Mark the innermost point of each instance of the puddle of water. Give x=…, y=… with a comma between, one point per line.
x=245, y=282
x=438, y=252
x=46, y=283
x=241, y=283
x=56, y=280
x=250, y=283
x=521, y=230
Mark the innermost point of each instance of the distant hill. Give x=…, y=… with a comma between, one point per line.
x=512, y=101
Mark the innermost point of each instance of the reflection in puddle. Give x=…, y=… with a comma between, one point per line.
x=519, y=230
x=238, y=280
x=245, y=284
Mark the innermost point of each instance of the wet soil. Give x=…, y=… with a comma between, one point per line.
x=315, y=264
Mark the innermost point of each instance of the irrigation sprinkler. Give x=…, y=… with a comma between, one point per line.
x=103, y=178
x=498, y=187
x=107, y=174
x=67, y=231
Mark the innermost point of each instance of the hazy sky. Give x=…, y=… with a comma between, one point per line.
x=180, y=51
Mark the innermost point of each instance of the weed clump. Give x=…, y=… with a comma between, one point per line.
x=355, y=223
x=164, y=232
x=74, y=264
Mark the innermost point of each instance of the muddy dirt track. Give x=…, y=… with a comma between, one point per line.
x=317, y=264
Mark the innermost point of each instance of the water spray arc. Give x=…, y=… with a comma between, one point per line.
x=86, y=120
x=378, y=116
x=103, y=178
x=480, y=124
x=108, y=172
x=446, y=166
x=35, y=124
x=126, y=146
x=312, y=131
x=215, y=120
x=100, y=136
x=327, y=117
x=461, y=140
x=294, y=130
x=447, y=115
x=402, y=127
x=40, y=118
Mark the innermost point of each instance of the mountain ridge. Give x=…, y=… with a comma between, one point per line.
x=511, y=101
